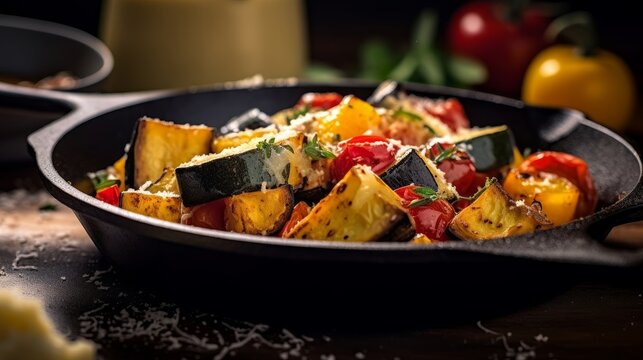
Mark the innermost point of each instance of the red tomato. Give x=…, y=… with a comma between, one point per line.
x=374, y=151
x=110, y=195
x=569, y=167
x=320, y=100
x=450, y=112
x=432, y=219
x=458, y=170
x=504, y=41
x=208, y=215
x=299, y=212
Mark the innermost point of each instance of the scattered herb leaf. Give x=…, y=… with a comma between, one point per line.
x=303, y=110
x=429, y=128
x=487, y=184
x=267, y=146
x=445, y=154
x=399, y=112
x=47, y=207
x=102, y=179
x=317, y=151
x=428, y=196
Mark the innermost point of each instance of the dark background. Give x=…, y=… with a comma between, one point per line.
x=338, y=27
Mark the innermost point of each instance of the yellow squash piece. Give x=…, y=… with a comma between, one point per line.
x=166, y=183
x=235, y=139
x=161, y=144
x=350, y=118
x=360, y=208
x=119, y=171
x=557, y=196
x=259, y=212
x=161, y=206
x=494, y=214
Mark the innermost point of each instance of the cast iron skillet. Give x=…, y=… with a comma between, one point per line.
x=32, y=50
x=93, y=134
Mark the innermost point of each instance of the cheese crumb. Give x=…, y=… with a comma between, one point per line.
x=27, y=333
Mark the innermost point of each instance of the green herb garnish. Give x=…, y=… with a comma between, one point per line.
x=429, y=128
x=267, y=146
x=445, y=154
x=47, y=207
x=303, y=110
x=428, y=196
x=102, y=179
x=488, y=182
x=317, y=151
x=399, y=112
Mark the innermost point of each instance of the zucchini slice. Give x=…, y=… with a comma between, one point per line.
x=239, y=138
x=360, y=208
x=490, y=148
x=410, y=168
x=259, y=212
x=494, y=214
x=164, y=206
x=251, y=119
x=157, y=145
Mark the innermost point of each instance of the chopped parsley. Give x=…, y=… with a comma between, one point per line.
x=445, y=154
x=428, y=196
x=102, y=179
x=303, y=110
x=267, y=146
x=317, y=151
x=399, y=112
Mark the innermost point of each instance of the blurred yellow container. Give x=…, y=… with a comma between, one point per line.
x=177, y=43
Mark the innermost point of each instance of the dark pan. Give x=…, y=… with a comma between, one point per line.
x=94, y=133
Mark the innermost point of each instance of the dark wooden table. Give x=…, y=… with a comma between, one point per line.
x=571, y=313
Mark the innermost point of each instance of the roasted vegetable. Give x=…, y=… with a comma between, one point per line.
x=360, y=208
x=157, y=145
x=411, y=168
x=557, y=196
x=350, y=118
x=239, y=138
x=249, y=120
x=166, y=183
x=494, y=214
x=490, y=148
x=208, y=215
x=161, y=206
x=430, y=214
x=300, y=211
x=259, y=212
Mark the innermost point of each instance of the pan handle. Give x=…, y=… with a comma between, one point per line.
x=628, y=211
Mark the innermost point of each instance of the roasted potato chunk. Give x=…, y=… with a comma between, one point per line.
x=259, y=212
x=360, y=208
x=161, y=206
x=494, y=214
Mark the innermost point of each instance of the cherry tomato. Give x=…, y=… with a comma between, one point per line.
x=458, y=169
x=208, y=215
x=503, y=38
x=569, y=167
x=450, y=112
x=320, y=100
x=110, y=195
x=374, y=151
x=299, y=212
x=432, y=219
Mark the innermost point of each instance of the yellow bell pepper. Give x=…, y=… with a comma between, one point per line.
x=557, y=195
x=350, y=118
x=582, y=76
x=601, y=85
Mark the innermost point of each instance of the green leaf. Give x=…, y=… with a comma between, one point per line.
x=466, y=71
x=317, y=151
x=431, y=67
x=399, y=112
x=377, y=60
x=303, y=110
x=488, y=182
x=445, y=154
x=425, y=30
x=267, y=146
x=405, y=68
x=428, y=196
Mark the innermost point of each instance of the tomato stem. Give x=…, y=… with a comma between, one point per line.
x=577, y=27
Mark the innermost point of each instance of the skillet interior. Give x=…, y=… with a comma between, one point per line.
x=201, y=264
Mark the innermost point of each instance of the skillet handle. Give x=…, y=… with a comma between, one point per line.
x=629, y=210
